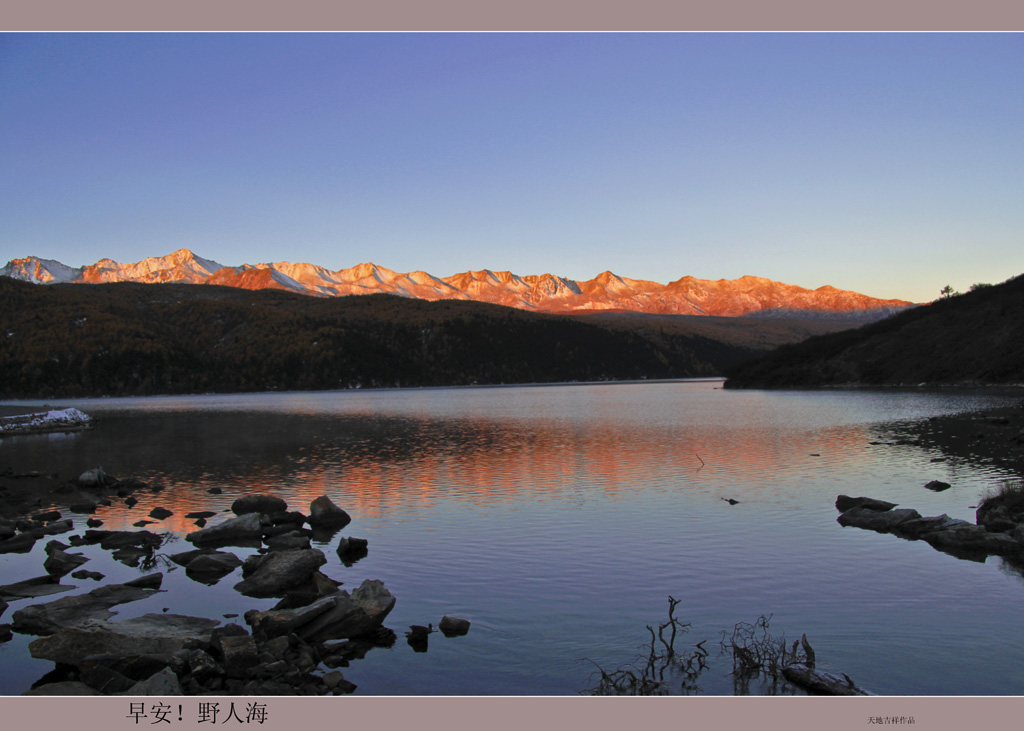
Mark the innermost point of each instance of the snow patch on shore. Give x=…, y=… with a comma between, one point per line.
x=48, y=419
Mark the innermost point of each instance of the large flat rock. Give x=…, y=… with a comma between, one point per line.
x=72, y=611
x=150, y=634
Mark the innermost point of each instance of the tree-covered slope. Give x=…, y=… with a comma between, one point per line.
x=977, y=337
x=67, y=340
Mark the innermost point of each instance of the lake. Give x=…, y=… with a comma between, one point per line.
x=559, y=519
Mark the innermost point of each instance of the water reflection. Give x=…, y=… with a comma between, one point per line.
x=479, y=501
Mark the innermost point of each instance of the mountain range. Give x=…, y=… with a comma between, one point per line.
x=607, y=292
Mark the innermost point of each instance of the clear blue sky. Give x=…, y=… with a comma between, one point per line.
x=890, y=164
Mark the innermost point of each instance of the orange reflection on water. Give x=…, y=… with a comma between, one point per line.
x=484, y=461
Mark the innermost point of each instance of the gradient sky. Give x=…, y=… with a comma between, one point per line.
x=891, y=164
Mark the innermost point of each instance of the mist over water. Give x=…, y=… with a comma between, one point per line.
x=558, y=520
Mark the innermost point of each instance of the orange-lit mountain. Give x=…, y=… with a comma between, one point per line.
x=542, y=293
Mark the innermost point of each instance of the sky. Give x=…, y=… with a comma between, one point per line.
x=890, y=164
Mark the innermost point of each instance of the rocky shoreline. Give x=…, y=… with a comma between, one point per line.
x=292, y=648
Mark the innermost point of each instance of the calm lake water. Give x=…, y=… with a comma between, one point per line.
x=559, y=519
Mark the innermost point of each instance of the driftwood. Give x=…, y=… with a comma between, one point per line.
x=821, y=683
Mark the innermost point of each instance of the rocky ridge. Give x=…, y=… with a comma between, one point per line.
x=543, y=293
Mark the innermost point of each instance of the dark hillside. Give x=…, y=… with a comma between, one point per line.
x=136, y=339
x=977, y=337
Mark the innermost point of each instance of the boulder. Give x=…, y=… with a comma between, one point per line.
x=110, y=540
x=938, y=485
x=244, y=527
x=317, y=587
x=163, y=683
x=208, y=568
x=239, y=653
x=160, y=513
x=288, y=541
x=1001, y=512
x=273, y=623
x=21, y=543
x=844, y=503
x=883, y=522
x=52, y=529
x=83, y=574
x=185, y=557
x=355, y=615
x=334, y=617
x=258, y=504
x=103, y=678
x=202, y=666
x=95, y=477
x=919, y=527
x=969, y=537
x=274, y=573
x=324, y=513
x=58, y=562
x=352, y=547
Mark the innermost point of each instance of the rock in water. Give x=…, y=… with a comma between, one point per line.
x=323, y=512
x=244, y=527
x=272, y=574
x=95, y=478
x=453, y=626
x=844, y=503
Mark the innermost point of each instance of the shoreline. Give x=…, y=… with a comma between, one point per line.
x=988, y=436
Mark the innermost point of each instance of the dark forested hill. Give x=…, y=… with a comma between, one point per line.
x=67, y=340
x=977, y=337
